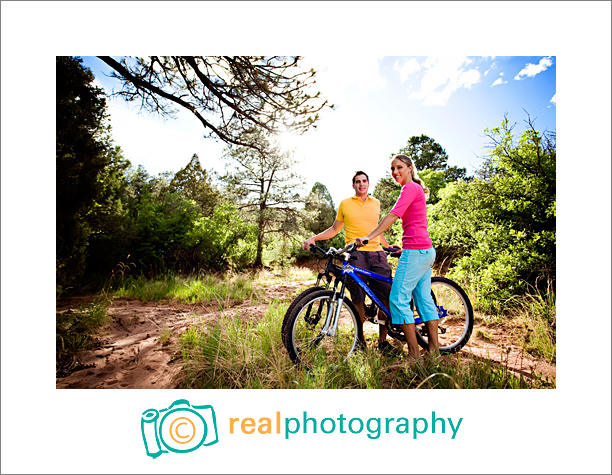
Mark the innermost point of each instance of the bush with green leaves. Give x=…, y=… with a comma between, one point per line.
x=499, y=230
x=164, y=223
x=504, y=263
x=222, y=240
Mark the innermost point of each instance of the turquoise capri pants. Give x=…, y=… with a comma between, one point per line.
x=412, y=281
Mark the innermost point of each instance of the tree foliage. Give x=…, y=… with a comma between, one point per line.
x=174, y=235
x=500, y=229
x=320, y=206
x=194, y=183
x=428, y=154
x=83, y=150
x=230, y=95
x=435, y=180
x=320, y=214
x=263, y=184
x=112, y=231
x=156, y=226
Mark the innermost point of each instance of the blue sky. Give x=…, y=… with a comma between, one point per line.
x=381, y=101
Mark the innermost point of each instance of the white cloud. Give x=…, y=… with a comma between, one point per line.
x=336, y=73
x=499, y=80
x=407, y=68
x=532, y=69
x=554, y=99
x=468, y=78
x=490, y=67
x=443, y=77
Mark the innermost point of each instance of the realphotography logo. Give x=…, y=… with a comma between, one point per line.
x=180, y=428
x=374, y=427
x=183, y=428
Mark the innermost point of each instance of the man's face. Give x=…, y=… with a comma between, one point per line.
x=361, y=185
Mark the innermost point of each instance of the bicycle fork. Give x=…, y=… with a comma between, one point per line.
x=333, y=317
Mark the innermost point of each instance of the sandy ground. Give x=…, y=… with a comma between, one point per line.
x=139, y=346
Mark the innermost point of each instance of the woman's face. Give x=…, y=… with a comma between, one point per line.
x=401, y=172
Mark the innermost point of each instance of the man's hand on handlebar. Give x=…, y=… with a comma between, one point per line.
x=308, y=243
x=361, y=241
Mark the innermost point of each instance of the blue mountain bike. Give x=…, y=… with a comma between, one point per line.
x=323, y=325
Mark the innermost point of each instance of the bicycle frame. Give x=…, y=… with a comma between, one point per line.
x=331, y=319
x=353, y=271
x=319, y=308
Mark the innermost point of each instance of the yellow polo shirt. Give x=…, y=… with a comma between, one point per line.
x=360, y=218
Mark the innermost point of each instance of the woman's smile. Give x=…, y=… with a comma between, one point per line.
x=400, y=172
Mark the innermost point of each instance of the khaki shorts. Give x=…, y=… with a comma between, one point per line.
x=374, y=262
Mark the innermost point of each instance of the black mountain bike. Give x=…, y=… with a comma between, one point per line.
x=322, y=324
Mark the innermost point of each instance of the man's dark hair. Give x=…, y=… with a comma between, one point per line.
x=360, y=173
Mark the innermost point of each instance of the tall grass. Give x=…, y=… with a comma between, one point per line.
x=203, y=288
x=74, y=332
x=235, y=354
x=532, y=318
x=538, y=314
x=284, y=275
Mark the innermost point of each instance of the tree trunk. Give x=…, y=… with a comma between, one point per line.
x=260, y=236
x=258, y=257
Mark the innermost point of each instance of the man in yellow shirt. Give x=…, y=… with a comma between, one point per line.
x=359, y=214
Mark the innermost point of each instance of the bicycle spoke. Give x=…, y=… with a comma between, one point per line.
x=309, y=344
x=455, y=316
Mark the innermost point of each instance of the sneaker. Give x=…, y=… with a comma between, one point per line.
x=388, y=349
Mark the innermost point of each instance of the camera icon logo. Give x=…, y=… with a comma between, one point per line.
x=180, y=428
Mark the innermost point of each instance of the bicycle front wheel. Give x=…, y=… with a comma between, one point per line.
x=456, y=317
x=306, y=342
x=292, y=307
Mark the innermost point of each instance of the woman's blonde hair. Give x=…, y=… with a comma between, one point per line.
x=415, y=176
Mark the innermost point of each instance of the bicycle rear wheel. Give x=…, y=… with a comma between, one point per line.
x=456, y=320
x=307, y=345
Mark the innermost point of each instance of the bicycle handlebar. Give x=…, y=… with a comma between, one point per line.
x=333, y=251
x=392, y=251
x=314, y=249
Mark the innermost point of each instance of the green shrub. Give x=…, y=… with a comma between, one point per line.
x=223, y=240
x=497, y=232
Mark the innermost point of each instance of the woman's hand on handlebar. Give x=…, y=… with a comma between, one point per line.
x=393, y=251
x=393, y=248
x=361, y=241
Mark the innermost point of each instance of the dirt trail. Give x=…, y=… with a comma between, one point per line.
x=139, y=347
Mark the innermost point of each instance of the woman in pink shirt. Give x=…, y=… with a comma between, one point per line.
x=412, y=280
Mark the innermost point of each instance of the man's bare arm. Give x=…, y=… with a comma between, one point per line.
x=327, y=234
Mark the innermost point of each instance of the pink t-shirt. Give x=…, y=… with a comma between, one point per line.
x=411, y=208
